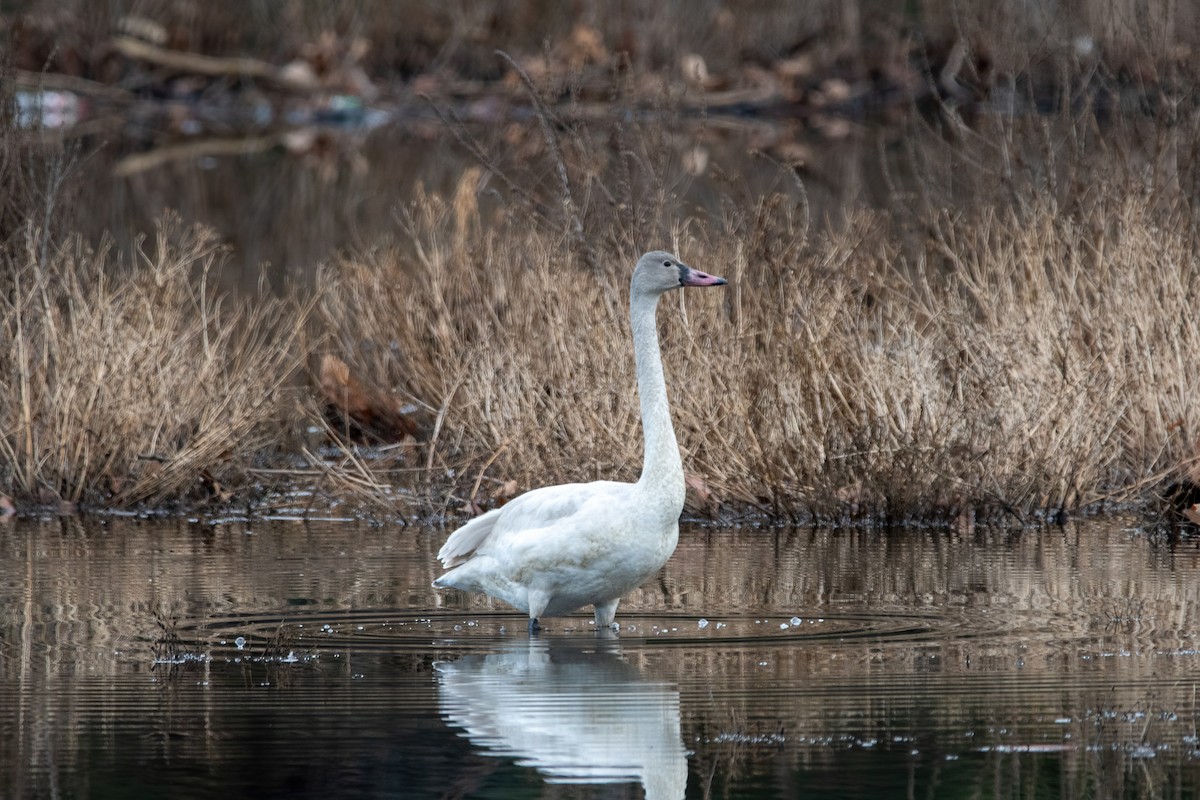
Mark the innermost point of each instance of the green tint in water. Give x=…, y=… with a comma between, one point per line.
x=147, y=659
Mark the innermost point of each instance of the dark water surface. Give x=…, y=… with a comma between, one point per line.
x=288, y=659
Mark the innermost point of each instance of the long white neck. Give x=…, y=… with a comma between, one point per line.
x=662, y=470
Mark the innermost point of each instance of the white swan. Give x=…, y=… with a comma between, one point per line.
x=555, y=549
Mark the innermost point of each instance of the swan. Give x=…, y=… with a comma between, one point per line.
x=555, y=549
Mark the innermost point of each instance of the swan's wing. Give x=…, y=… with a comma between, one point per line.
x=549, y=505
x=463, y=543
x=536, y=510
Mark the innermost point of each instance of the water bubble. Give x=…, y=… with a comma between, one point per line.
x=783, y=626
x=796, y=621
x=703, y=623
x=240, y=642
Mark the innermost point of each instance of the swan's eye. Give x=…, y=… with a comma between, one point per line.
x=666, y=263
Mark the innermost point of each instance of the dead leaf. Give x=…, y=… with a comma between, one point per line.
x=1193, y=513
x=798, y=66
x=694, y=68
x=1193, y=469
x=857, y=495
x=371, y=410
x=702, y=494
x=695, y=160
x=214, y=487
x=505, y=491
x=586, y=46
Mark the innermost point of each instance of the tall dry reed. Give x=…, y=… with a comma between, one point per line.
x=1003, y=360
x=127, y=384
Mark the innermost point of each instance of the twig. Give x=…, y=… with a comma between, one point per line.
x=458, y=131
x=564, y=178
x=209, y=65
x=483, y=469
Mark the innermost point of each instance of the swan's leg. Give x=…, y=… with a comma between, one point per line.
x=606, y=613
x=538, y=601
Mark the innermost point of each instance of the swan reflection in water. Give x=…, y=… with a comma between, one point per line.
x=573, y=710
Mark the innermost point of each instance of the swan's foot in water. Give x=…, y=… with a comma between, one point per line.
x=606, y=613
x=538, y=601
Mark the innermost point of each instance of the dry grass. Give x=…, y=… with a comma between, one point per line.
x=1012, y=335
x=131, y=385
x=1011, y=358
x=1017, y=358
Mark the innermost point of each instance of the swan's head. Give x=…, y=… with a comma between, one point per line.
x=657, y=272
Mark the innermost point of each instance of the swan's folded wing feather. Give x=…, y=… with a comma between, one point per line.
x=531, y=515
x=463, y=543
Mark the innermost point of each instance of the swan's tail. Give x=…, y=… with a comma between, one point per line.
x=463, y=543
x=456, y=579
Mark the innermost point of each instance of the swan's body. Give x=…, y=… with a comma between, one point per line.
x=555, y=549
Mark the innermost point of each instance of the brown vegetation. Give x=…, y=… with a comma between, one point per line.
x=130, y=384
x=1011, y=360
x=1010, y=334
x=362, y=410
x=917, y=364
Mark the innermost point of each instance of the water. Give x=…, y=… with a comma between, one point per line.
x=284, y=659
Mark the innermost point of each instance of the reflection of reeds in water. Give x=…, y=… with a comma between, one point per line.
x=1030, y=595
x=995, y=631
